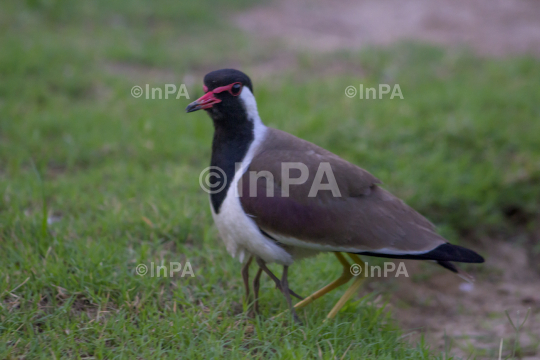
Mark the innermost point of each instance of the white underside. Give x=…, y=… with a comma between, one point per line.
x=242, y=237
x=296, y=243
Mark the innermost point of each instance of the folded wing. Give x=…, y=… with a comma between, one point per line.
x=364, y=218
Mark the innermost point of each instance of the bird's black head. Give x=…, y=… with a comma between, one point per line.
x=225, y=77
x=223, y=98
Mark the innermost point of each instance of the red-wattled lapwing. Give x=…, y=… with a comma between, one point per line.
x=287, y=220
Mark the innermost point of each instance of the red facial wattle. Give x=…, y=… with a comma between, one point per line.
x=209, y=99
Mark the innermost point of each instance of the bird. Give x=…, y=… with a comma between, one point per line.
x=274, y=206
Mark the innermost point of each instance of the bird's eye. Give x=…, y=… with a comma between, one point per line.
x=235, y=89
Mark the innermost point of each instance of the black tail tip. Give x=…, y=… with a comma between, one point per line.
x=449, y=252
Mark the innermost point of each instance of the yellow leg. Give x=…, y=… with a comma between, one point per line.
x=351, y=291
x=345, y=277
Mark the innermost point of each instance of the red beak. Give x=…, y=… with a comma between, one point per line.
x=204, y=102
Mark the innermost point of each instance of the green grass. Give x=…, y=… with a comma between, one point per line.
x=121, y=175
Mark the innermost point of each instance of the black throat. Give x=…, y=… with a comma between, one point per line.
x=232, y=139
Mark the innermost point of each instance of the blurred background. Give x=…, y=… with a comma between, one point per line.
x=95, y=181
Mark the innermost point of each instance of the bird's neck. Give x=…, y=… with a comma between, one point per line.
x=230, y=145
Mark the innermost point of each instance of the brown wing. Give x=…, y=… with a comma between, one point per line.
x=364, y=218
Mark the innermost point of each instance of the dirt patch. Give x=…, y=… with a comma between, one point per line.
x=470, y=318
x=492, y=27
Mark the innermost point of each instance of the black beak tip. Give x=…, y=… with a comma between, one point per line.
x=191, y=108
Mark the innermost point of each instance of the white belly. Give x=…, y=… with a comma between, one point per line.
x=241, y=235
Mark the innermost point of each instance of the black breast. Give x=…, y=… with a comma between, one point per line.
x=229, y=147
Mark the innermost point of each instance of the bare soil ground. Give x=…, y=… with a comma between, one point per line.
x=470, y=319
x=492, y=27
